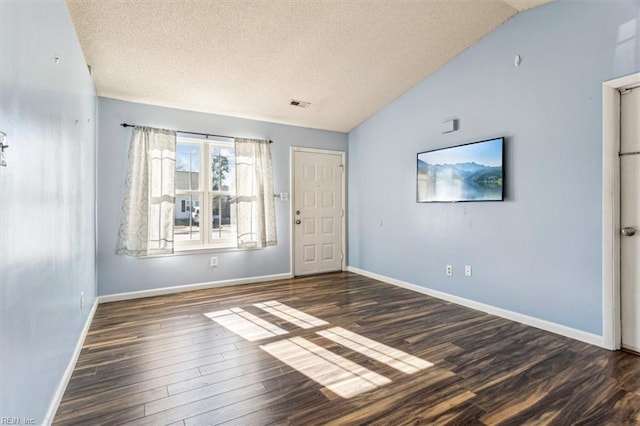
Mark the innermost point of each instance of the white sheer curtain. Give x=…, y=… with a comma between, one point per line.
x=146, y=225
x=256, y=216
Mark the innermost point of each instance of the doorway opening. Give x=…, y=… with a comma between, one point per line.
x=611, y=227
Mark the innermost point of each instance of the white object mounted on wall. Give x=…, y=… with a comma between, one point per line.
x=3, y=146
x=517, y=61
x=450, y=126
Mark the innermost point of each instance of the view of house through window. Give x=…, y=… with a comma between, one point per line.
x=205, y=188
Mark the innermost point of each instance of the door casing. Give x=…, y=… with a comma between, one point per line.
x=611, y=335
x=343, y=242
x=629, y=216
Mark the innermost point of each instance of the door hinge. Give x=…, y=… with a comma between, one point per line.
x=342, y=213
x=341, y=167
x=628, y=90
x=341, y=256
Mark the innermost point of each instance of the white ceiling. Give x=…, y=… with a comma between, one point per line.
x=249, y=59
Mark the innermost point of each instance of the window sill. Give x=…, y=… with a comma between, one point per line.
x=188, y=250
x=192, y=251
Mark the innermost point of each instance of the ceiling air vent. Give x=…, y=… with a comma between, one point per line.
x=299, y=104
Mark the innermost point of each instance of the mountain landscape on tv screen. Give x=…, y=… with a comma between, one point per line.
x=458, y=182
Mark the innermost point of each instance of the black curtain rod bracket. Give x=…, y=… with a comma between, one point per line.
x=191, y=133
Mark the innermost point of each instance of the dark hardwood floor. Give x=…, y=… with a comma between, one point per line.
x=161, y=361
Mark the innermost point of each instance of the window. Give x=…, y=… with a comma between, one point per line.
x=192, y=198
x=205, y=188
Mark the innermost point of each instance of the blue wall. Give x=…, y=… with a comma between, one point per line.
x=47, y=199
x=119, y=274
x=539, y=252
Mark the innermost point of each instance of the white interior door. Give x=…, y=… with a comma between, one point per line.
x=318, y=211
x=630, y=218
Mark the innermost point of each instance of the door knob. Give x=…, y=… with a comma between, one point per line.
x=298, y=222
x=628, y=231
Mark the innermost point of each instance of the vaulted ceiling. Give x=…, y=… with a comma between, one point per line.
x=348, y=59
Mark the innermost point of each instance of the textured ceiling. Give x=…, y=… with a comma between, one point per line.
x=249, y=59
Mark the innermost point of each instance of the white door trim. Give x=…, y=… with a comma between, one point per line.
x=342, y=154
x=611, y=208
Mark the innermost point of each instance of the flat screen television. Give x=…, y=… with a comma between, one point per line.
x=469, y=172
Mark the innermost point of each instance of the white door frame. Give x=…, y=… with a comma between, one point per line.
x=611, y=335
x=342, y=154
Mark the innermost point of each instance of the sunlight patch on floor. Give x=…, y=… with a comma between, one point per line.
x=245, y=324
x=343, y=377
x=395, y=358
x=290, y=314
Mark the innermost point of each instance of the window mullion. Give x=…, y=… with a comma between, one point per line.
x=205, y=220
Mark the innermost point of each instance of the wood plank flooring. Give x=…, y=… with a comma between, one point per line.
x=161, y=361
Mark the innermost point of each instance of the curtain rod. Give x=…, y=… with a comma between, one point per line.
x=191, y=133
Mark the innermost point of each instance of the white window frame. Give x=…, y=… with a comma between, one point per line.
x=206, y=194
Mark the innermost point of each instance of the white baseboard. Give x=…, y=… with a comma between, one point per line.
x=64, y=381
x=190, y=287
x=553, y=327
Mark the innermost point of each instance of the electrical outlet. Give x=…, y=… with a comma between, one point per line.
x=81, y=300
x=214, y=261
x=449, y=270
x=467, y=270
